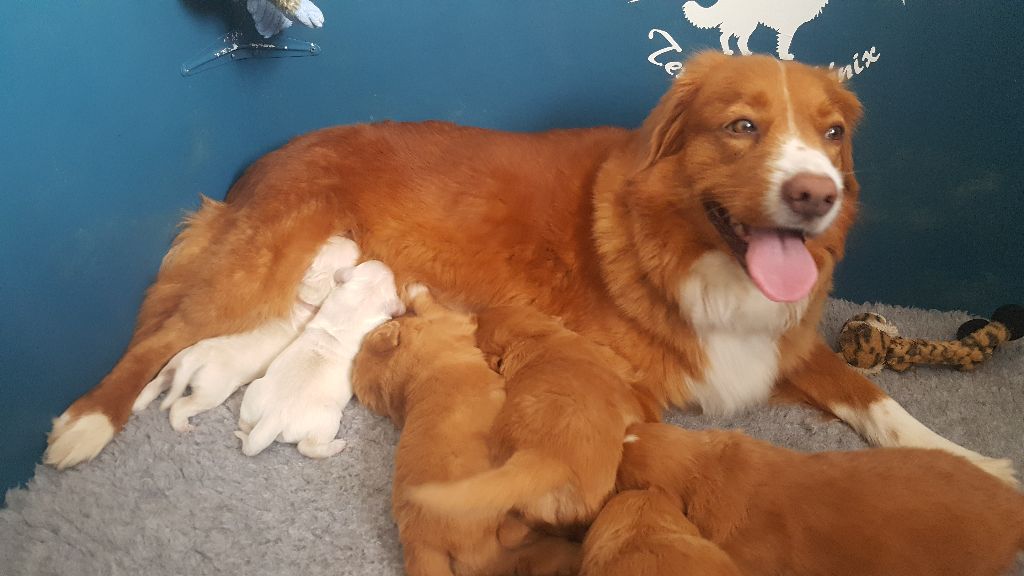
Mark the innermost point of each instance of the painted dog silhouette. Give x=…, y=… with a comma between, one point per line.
x=740, y=18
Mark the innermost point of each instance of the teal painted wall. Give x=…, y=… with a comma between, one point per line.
x=105, y=145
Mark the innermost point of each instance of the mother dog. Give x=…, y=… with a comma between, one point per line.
x=700, y=246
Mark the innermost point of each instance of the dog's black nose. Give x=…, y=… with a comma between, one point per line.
x=809, y=195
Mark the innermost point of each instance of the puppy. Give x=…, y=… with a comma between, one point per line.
x=214, y=368
x=777, y=511
x=305, y=389
x=644, y=533
x=427, y=375
x=559, y=436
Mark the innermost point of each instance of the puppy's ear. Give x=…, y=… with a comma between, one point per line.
x=395, y=307
x=385, y=338
x=495, y=362
x=342, y=275
x=661, y=133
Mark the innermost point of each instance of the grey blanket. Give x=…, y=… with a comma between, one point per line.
x=159, y=503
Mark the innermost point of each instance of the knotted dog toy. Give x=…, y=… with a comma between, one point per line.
x=869, y=342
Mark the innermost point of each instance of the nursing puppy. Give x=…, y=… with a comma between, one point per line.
x=559, y=437
x=777, y=511
x=426, y=374
x=644, y=533
x=306, y=388
x=214, y=368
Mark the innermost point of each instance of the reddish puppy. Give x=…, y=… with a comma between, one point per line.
x=559, y=436
x=870, y=512
x=644, y=533
x=426, y=374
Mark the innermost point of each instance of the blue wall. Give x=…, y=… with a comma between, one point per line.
x=104, y=145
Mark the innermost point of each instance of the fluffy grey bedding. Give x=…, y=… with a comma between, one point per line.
x=157, y=503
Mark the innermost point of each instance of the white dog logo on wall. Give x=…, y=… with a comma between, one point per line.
x=740, y=18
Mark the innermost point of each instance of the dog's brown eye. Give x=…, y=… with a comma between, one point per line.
x=742, y=126
x=834, y=133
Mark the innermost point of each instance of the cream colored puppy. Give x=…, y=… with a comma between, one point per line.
x=214, y=368
x=302, y=395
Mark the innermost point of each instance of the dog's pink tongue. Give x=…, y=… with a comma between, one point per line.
x=780, y=264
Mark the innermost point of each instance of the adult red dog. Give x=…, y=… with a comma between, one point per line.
x=700, y=246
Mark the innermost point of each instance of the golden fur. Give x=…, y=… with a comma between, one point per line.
x=558, y=439
x=425, y=373
x=644, y=533
x=489, y=218
x=777, y=511
x=598, y=226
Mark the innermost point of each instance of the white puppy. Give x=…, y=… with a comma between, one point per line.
x=216, y=367
x=301, y=397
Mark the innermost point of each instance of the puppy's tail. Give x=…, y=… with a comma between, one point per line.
x=700, y=16
x=523, y=479
x=1020, y=523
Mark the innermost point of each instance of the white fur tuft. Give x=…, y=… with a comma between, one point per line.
x=78, y=440
x=887, y=424
x=738, y=328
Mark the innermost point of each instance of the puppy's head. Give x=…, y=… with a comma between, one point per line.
x=376, y=284
x=760, y=150
x=501, y=328
x=321, y=277
x=379, y=376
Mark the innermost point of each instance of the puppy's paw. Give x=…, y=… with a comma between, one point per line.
x=77, y=439
x=311, y=448
x=415, y=289
x=156, y=387
x=181, y=411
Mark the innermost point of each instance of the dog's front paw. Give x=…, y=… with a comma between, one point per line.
x=1001, y=468
x=75, y=439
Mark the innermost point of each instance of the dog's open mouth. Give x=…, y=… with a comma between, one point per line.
x=776, y=259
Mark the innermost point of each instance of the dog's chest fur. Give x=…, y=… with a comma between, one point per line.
x=738, y=329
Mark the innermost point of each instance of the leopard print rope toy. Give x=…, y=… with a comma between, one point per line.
x=869, y=342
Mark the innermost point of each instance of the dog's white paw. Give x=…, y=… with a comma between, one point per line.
x=1001, y=468
x=76, y=440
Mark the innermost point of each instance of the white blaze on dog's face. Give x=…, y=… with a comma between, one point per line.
x=762, y=147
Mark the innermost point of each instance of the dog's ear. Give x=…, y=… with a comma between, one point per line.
x=385, y=338
x=661, y=133
x=850, y=108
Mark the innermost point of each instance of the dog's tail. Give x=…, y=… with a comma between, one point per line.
x=523, y=479
x=702, y=17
